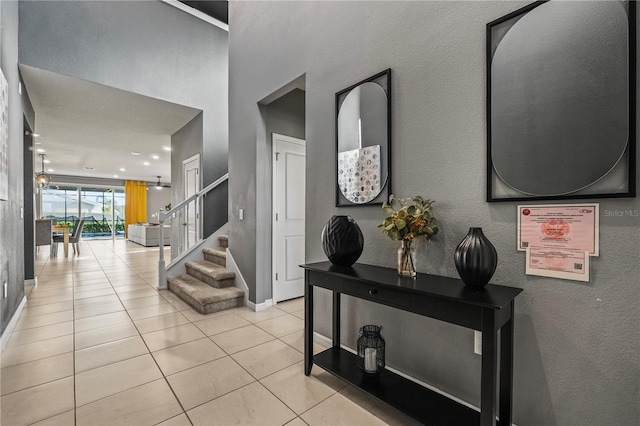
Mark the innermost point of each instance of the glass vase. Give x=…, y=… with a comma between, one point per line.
x=407, y=259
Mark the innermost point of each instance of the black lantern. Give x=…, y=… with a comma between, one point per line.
x=371, y=350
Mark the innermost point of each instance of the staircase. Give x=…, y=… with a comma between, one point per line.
x=208, y=286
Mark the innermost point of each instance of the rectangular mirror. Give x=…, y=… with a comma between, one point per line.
x=561, y=102
x=363, y=142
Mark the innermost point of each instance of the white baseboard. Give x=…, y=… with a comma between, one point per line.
x=240, y=282
x=261, y=306
x=12, y=324
x=29, y=282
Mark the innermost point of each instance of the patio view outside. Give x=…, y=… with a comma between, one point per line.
x=101, y=208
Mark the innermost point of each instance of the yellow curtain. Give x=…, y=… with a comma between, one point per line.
x=135, y=207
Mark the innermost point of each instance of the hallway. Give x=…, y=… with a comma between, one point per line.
x=96, y=344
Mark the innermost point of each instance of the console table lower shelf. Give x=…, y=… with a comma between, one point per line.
x=490, y=311
x=421, y=403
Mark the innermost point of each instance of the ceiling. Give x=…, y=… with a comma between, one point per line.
x=217, y=9
x=87, y=129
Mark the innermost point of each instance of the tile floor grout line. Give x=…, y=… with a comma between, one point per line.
x=149, y=353
x=155, y=361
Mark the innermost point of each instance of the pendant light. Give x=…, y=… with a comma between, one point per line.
x=42, y=179
x=158, y=184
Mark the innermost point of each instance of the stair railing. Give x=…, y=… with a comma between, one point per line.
x=178, y=211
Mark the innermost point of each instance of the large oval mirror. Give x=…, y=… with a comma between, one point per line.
x=559, y=98
x=363, y=142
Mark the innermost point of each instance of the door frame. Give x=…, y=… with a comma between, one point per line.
x=273, y=205
x=184, y=195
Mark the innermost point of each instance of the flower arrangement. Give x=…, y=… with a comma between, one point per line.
x=408, y=219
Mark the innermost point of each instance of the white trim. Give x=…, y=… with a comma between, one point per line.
x=199, y=215
x=322, y=340
x=195, y=12
x=239, y=282
x=301, y=142
x=29, y=282
x=260, y=306
x=12, y=324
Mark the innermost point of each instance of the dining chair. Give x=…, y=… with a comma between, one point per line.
x=43, y=234
x=74, y=238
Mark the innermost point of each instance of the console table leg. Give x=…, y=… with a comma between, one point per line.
x=308, y=324
x=336, y=319
x=506, y=371
x=489, y=366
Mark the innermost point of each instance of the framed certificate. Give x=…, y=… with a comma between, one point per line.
x=558, y=263
x=559, y=226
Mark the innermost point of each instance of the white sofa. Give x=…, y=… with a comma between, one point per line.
x=148, y=235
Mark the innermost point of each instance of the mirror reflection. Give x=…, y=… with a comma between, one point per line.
x=363, y=143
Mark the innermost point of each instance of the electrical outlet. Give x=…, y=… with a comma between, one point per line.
x=241, y=214
x=5, y=290
x=477, y=342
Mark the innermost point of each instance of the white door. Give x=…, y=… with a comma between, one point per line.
x=288, y=217
x=191, y=215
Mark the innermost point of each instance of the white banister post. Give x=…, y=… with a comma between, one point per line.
x=162, y=271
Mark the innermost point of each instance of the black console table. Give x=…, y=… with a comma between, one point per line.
x=490, y=310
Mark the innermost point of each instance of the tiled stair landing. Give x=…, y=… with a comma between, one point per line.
x=208, y=286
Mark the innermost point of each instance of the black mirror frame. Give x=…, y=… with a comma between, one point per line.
x=630, y=182
x=385, y=192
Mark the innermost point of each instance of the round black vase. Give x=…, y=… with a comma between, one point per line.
x=476, y=259
x=342, y=240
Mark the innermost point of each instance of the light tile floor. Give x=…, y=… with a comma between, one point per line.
x=96, y=344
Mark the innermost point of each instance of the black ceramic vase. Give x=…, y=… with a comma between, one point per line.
x=476, y=259
x=342, y=240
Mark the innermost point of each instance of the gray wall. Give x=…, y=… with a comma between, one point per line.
x=12, y=235
x=145, y=47
x=156, y=200
x=576, y=344
x=284, y=116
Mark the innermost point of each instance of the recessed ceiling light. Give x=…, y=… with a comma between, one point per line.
x=115, y=175
x=89, y=168
x=46, y=161
x=35, y=135
x=135, y=153
x=146, y=163
x=50, y=170
x=122, y=169
x=41, y=150
x=166, y=148
x=155, y=157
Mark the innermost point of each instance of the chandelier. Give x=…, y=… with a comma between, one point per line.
x=42, y=179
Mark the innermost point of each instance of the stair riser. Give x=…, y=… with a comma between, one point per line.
x=218, y=260
x=210, y=308
x=210, y=280
x=223, y=242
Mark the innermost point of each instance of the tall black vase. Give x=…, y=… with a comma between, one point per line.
x=476, y=259
x=342, y=240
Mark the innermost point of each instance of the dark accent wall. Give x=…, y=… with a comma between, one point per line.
x=29, y=208
x=12, y=235
x=576, y=344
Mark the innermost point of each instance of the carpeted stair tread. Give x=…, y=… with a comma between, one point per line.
x=224, y=240
x=204, y=298
x=216, y=251
x=211, y=269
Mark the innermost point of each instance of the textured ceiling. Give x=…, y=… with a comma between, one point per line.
x=83, y=124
